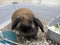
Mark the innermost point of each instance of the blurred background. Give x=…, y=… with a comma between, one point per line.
x=46, y=8
x=47, y=2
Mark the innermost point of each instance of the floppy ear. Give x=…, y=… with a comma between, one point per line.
x=39, y=23
x=15, y=23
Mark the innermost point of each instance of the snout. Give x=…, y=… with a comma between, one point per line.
x=25, y=26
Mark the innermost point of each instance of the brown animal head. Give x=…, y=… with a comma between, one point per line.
x=24, y=18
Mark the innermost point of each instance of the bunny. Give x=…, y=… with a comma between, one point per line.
x=24, y=21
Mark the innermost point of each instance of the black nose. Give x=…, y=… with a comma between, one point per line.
x=24, y=27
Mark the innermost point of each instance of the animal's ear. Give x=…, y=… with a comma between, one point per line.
x=39, y=23
x=15, y=23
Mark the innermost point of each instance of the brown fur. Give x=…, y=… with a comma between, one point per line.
x=26, y=13
x=22, y=12
x=26, y=16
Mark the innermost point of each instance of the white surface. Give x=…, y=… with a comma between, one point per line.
x=4, y=24
x=52, y=28
x=47, y=2
x=51, y=2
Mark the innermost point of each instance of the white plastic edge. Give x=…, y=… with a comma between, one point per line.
x=5, y=24
x=51, y=21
